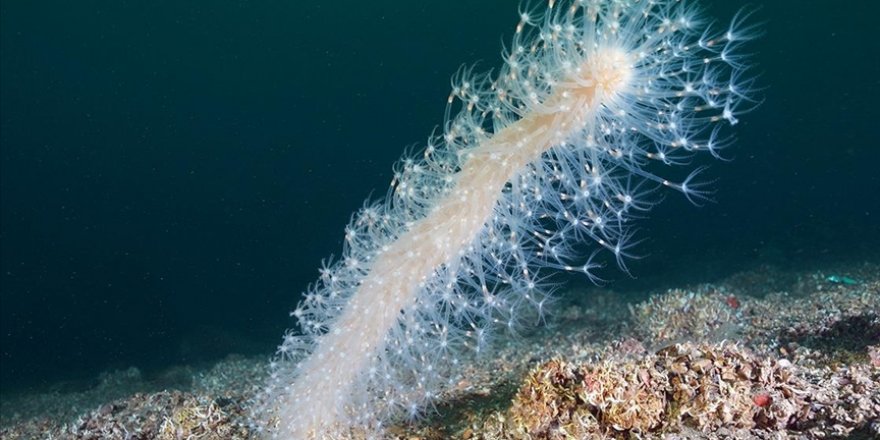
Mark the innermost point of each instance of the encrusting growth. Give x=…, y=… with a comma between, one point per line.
x=551, y=152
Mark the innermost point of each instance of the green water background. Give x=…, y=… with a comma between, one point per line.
x=174, y=171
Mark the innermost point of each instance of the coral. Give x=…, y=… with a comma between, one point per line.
x=168, y=415
x=706, y=388
x=199, y=419
x=688, y=315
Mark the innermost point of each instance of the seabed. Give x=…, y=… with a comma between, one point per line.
x=762, y=354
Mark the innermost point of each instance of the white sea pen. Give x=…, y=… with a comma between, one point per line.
x=550, y=152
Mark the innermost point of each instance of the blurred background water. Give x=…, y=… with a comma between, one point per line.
x=173, y=172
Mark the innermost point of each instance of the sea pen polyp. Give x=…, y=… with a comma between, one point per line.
x=552, y=151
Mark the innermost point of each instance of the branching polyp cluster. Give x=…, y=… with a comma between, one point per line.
x=552, y=151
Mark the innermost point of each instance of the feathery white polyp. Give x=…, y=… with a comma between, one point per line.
x=552, y=151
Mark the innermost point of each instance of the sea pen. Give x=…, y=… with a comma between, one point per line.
x=560, y=147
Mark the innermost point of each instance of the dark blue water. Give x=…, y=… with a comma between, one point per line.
x=173, y=172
